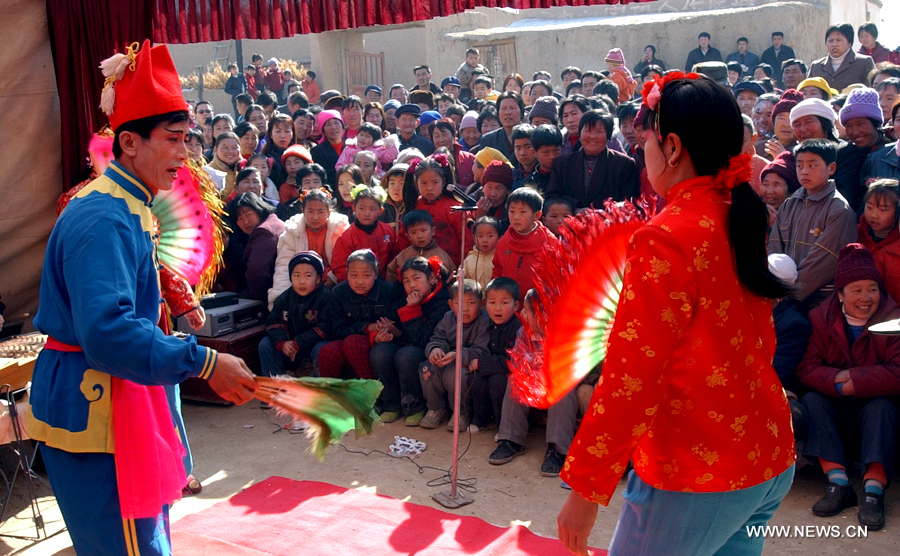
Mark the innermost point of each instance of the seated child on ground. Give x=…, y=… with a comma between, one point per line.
x=370, y=305
x=496, y=184
x=438, y=373
x=879, y=232
x=556, y=210
x=547, y=143
x=392, y=182
x=397, y=364
x=518, y=249
x=419, y=228
x=479, y=264
x=814, y=223
x=488, y=376
x=561, y=417
x=302, y=318
x=366, y=233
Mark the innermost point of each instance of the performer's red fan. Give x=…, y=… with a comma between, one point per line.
x=579, y=289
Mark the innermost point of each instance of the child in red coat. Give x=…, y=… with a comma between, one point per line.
x=366, y=233
x=429, y=183
x=518, y=249
x=878, y=231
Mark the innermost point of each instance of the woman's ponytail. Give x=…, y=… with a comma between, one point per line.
x=747, y=226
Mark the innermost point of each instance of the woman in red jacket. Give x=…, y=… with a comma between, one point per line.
x=855, y=378
x=688, y=392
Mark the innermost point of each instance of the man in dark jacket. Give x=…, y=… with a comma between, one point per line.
x=777, y=54
x=511, y=109
x=593, y=174
x=235, y=85
x=703, y=53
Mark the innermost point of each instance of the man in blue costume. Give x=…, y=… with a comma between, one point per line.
x=98, y=406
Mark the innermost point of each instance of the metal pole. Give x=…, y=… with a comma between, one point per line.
x=454, y=498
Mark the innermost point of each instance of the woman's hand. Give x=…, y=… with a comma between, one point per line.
x=774, y=147
x=413, y=299
x=575, y=521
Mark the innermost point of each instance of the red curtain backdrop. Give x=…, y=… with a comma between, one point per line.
x=82, y=34
x=85, y=32
x=187, y=21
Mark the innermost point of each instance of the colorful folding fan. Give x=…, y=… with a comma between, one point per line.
x=331, y=406
x=578, y=287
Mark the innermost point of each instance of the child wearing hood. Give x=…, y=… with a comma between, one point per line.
x=619, y=74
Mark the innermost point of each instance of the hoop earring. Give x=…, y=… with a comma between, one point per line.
x=673, y=164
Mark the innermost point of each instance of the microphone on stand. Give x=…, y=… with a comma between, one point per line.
x=469, y=203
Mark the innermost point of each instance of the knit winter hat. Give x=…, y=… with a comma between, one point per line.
x=818, y=83
x=307, y=257
x=326, y=115
x=616, y=56
x=429, y=117
x=789, y=99
x=813, y=107
x=784, y=268
x=488, y=154
x=469, y=120
x=299, y=151
x=498, y=171
x=787, y=172
x=855, y=262
x=545, y=107
x=862, y=103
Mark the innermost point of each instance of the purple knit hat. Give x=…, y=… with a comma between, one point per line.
x=782, y=166
x=855, y=262
x=616, y=55
x=862, y=103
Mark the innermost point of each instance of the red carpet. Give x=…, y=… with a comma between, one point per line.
x=282, y=517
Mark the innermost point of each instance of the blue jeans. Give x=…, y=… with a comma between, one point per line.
x=657, y=521
x=86, y=491
x=272, y=361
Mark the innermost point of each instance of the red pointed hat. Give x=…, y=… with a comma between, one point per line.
x=141, y=83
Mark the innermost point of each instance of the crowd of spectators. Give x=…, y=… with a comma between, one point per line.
x=343, y=225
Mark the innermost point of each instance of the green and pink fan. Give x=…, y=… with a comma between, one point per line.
x=187, y=231
x=190, y=241
x=332, y=407
x=578, y=288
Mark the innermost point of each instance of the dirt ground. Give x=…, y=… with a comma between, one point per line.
x=235, y=447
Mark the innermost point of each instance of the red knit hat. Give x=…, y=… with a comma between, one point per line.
x=139, y=84
x=784, y=166
x=498, y=171
x=855, y=262
x=789, y=99
x=299, y=151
